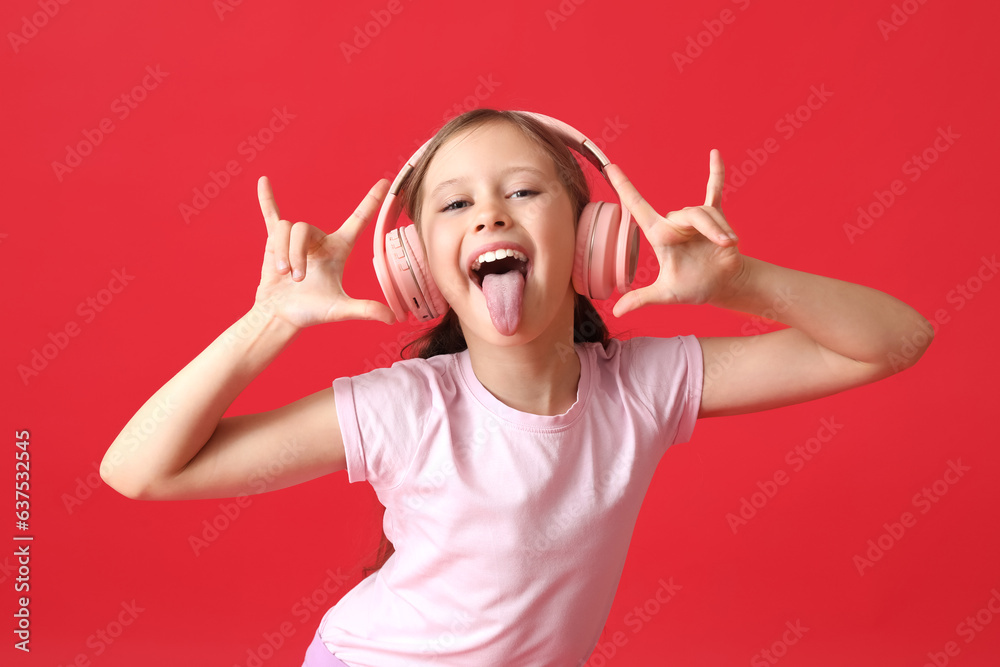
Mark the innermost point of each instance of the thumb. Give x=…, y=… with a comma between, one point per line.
x=362, y=309
x=633, y=300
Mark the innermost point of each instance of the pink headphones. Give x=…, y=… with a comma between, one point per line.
x=607, y=242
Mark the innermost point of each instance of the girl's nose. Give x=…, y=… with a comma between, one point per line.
x=496, y=224
x=492, y=216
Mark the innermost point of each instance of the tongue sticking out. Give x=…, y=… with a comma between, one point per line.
x=504, y=294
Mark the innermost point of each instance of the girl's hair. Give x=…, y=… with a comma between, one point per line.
x=446, y=336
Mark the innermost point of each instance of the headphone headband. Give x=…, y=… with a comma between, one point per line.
x=572, y=137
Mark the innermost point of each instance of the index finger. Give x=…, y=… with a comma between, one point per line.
x=366, y=210
x=267, y=204
x=641, y=211
x=716, y=179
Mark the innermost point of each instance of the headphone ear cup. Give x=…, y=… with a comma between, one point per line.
x=594, y=265
x=627, y=252
x=423, y=297
x=389, y=261
x=580, y=258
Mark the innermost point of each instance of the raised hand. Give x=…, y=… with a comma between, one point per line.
x=695, y=247
x=301, y=279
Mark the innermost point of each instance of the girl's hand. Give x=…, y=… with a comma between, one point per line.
x=695, y=247
x=301, y=277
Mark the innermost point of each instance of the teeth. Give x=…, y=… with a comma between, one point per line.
x=494, y=255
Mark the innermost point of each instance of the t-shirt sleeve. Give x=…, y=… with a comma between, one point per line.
x=667, y=374
x=382, y=415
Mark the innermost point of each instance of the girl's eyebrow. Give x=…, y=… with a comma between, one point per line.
x=505, y=172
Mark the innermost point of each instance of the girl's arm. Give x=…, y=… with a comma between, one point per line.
x=178, y=446
x=841, y=335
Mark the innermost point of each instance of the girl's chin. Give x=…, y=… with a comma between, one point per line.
x=480, y=325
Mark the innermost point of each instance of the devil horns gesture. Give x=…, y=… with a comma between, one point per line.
x=695, y=247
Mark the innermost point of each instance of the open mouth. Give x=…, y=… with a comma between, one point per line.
x=500, y=273
x=500, y=261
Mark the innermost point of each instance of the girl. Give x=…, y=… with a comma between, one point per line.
x=512, y=456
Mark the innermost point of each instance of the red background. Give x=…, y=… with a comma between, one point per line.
x=356, y=117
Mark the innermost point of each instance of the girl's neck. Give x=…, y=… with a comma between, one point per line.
x=539, y=377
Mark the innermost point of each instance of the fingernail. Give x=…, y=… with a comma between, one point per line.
x=734, y=237
x=297, y=274
x=282, y=265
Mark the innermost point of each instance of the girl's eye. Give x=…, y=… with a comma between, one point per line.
x=454, y=205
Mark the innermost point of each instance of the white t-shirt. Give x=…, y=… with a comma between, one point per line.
x=510, y=528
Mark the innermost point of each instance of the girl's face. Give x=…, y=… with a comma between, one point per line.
x=492, y=186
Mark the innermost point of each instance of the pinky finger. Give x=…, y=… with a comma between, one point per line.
x=704, y=220
x=719, y=226
x=730, y=236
